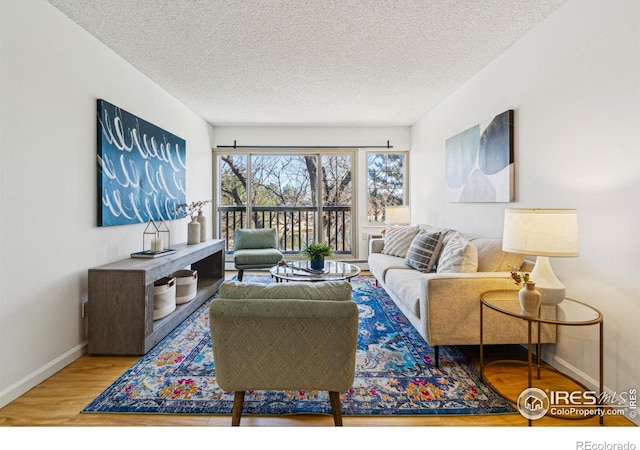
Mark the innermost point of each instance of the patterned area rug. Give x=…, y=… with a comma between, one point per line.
x=395, y=373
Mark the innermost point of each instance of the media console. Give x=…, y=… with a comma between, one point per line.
x=120, y=312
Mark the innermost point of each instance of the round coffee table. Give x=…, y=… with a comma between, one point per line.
x=301, y=271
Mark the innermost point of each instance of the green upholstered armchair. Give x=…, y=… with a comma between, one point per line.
x=284, y=336
x=255, y=248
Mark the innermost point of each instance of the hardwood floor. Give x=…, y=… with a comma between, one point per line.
x=58, y=401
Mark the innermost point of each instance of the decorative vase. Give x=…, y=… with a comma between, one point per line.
x=530, y=299
x=193, y=228
x=317, y=263
x=202, y=220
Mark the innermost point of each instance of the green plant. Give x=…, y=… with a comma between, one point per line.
x=317, y=250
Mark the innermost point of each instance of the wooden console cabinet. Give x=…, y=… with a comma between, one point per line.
x=121, y=300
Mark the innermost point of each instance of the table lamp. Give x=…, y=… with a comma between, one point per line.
x=397, y=215
x=542, y=233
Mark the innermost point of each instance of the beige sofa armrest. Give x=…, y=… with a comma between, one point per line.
x=376, y=245
x=450, y=310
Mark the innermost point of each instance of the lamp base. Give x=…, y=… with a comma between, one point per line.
x=550, y=296
x=552, y=291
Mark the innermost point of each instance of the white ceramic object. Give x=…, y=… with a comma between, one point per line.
x=186, y=285
x=164, y=297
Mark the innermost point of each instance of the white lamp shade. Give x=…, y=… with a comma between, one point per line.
x=397, y=215
x=541, y=232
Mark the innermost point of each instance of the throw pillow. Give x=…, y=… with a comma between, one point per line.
x=458, y=256
x=398, y=239
x=424, y=250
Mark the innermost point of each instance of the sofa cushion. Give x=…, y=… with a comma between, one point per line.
x=424, y=251
x=491, y=257
x=404, y=286
x=257, y=257
x=397, y=240
x=458, y=255
x=380, y=263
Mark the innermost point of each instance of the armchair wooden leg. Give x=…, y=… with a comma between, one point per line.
x=334, y=397
x=437, y=355
x=238, y=401
x=240, y=273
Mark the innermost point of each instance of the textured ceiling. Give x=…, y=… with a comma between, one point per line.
x=309, y=62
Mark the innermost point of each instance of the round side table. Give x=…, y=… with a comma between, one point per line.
x=569, y=312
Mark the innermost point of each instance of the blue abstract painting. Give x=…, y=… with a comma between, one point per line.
x=479, y=162
x=141, y=169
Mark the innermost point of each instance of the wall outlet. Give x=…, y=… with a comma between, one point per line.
x=364, y=236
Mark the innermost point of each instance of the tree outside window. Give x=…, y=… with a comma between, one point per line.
x=306, y=197
x=386, y=183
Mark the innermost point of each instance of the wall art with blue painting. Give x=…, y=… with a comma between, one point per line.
x=141, y=169
x=479, y=162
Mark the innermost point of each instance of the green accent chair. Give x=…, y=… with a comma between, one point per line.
x=284, y=336
x=255, y=248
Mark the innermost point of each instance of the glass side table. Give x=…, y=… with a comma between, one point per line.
x=570, y=312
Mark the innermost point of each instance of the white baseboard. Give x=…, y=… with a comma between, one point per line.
x=571, y=371
x=35, y=378
x=581, y=377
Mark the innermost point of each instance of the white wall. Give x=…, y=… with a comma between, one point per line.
x=574, y=83
x=399, y=138
x=51, y=73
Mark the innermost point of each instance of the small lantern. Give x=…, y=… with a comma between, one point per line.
x=164, y=235
x=155, y=236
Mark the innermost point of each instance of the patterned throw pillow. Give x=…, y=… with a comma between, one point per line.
x=424, y=250
x=458, y=256
x=398, y=239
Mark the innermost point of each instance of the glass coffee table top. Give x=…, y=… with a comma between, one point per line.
x=301, y=271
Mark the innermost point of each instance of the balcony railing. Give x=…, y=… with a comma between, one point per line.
x=295, y=225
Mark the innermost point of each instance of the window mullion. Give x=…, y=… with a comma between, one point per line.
x=249, y=190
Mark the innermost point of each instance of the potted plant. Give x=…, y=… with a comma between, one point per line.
x=316, y=252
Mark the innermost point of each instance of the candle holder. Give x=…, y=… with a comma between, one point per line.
x=156, y=236
x=149, y=237
x=156, y=241
x=164, y=234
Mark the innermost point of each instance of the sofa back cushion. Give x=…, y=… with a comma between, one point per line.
x=491, y=257
x=446, y=232
x=397, y=240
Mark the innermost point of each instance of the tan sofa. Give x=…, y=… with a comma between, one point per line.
x=445, y=307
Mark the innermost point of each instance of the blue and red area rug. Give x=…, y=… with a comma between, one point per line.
x=395, y=374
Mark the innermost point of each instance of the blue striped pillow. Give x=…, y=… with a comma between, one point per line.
x=424, y=251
